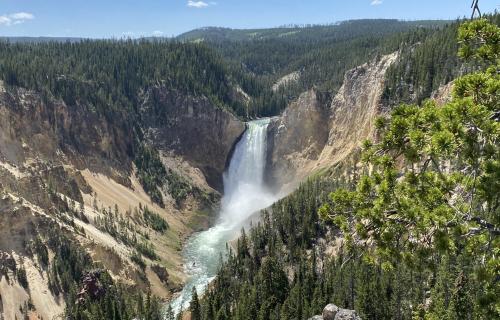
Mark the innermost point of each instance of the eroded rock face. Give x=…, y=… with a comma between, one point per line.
x=32, y=126
x=443, y=94
x=356, y=106
x=344, y=314
x=316, y=132
x=297, y=137
x=61, y=166
x=193, y=128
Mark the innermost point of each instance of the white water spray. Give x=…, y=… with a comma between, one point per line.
x=244, y=194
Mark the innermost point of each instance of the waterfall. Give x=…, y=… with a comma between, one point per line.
x=244, y=187
x=244, y=194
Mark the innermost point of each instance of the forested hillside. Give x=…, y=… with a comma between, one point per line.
x=412, y=234
x=335, y=32
x=109, y=75
x=235, y=69
x=427, y=61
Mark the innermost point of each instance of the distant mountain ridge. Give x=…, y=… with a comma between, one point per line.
x=41, y=39
x=212, y=33
x=330, y=30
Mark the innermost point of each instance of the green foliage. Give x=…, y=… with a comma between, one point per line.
x=331, y=32
x=41, y=251
x=195, y=307
x=170, y=313
x=122, y=229
x=429, y=59
x=155, y=177
x=151, y=172
x=147, y=249
x=70, y=263
x=118, y=303
x=136, y=258
x=480, y=41
x=109, y=75
x=22, y=278
x=154, y=220
x=321, y=54
x=254, y=283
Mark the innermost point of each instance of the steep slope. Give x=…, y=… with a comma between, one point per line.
x=68, y=171
x=313, y=133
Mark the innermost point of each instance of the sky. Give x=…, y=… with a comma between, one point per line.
x=136, y=18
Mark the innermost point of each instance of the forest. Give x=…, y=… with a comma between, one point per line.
x=108, y=75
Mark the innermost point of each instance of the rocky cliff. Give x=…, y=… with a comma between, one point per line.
x=193, y=128
x=314, y=133
x=297, y=138
x=34, y=126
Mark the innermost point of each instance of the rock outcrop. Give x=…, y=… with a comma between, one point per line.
x=314, y=133
x=332, y=312
x=192, y=127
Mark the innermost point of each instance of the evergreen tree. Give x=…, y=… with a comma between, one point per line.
x=170, y=314
x=195, y=307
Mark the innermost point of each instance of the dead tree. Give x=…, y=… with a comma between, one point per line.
x=475, y=7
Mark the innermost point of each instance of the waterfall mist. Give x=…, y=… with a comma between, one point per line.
x=245, y=193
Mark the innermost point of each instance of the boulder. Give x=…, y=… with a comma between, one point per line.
x=330, y=312
x=316, y=318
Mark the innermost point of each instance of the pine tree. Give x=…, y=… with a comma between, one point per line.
x=195, y=307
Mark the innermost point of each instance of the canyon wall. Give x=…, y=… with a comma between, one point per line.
x=193, y=128
x=314, y=132
x=65, y=170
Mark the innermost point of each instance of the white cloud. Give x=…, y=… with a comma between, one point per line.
x=157, y=33
x=22, y=16
x=377, y=2
x=4, y=20
x=15, y=18
x=199, y=4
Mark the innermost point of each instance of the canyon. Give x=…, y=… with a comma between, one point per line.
x=68, y=168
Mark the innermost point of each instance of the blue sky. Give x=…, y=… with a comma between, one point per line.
x=118, y=18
